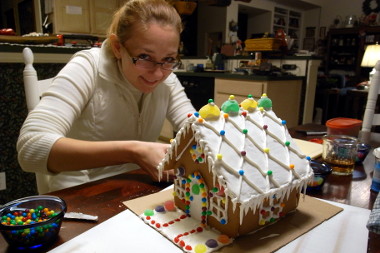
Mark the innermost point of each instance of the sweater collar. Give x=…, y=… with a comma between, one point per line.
x=110, y=69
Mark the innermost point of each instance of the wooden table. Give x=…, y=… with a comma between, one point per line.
x=104, y=198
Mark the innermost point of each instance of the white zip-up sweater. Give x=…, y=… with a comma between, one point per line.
x=90, y=99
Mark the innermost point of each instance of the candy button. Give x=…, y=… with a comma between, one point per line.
x=200, y=248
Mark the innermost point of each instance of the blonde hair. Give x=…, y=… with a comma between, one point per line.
x=143, y=12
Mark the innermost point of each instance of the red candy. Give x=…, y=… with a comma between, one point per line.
x=169, y=205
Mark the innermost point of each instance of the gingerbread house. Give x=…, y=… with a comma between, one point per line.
x=237, y=168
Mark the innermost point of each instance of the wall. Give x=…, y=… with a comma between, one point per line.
x=207, y=25
x=331, y=9
x=265, y=21
x=259, y=24
x=313, y=15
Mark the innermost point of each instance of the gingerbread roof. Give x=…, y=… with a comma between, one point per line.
x=248, y=149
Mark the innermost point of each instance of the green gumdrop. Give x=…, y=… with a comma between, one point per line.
x=230, y=107
x=148, y=212
x=265, y=102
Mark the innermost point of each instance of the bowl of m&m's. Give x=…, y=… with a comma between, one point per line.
x=321, y=172
x=32, y=222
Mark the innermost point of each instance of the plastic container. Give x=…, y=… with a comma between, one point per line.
x=375, y=186
x=343, y=126
x=43, y=218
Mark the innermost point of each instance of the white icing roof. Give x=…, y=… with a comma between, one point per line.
x=253, y=165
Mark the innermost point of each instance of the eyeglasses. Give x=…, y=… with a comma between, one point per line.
x=149, y=64
x=141, y=62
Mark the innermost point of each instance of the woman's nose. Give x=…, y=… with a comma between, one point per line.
x=158, y=72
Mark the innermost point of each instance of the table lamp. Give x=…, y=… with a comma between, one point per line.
x=371, y=56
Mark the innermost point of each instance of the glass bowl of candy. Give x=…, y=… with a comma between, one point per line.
x=321, y=172
x=32, y=222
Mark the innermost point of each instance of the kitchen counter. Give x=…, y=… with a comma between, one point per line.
x=230, y=75
x=12, y=53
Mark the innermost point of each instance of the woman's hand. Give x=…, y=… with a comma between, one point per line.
x=70, y=154
x=148, y=155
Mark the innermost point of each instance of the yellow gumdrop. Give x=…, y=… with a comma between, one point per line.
x=210, y=112
x=200, y=248
x=249, y=104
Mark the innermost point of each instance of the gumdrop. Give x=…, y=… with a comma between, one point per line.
x=210, y=111
x=265, y=102
x=231, y=106
x=249, y=104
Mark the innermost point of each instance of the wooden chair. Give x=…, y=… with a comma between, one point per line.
x=371, y=118
x=32, y=86
x=33, y=90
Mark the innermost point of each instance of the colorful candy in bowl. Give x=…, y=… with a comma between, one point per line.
x=363, y=150
x=32, y=222
x=321, y=172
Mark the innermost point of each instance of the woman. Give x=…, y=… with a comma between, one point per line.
x=106, y=107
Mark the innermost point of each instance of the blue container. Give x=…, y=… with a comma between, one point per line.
x=375, y=186
x=34, y=234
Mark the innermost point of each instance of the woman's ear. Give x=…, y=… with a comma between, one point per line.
x=115, y=45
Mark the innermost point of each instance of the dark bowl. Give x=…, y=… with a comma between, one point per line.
x=32, y=222
x=321, y=172
x=363, y=150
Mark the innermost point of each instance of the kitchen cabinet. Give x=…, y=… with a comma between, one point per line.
x=289, y=21
x=285, y=95
x=83, y=16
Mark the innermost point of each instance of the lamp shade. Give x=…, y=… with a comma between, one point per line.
x=371, y=56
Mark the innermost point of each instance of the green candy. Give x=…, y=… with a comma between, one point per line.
x=148, y=212
x=195, y=189
x=265, y=102
x=230, y=107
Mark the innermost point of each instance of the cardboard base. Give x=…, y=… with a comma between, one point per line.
x=310, y=213
x=312, y=149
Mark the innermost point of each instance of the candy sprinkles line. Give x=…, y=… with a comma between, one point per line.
x=285, y=144
x=278, y=121
x=296, y=152
x=184, y=149
x=237, y=174
x=241, y=171
x=255, y=165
